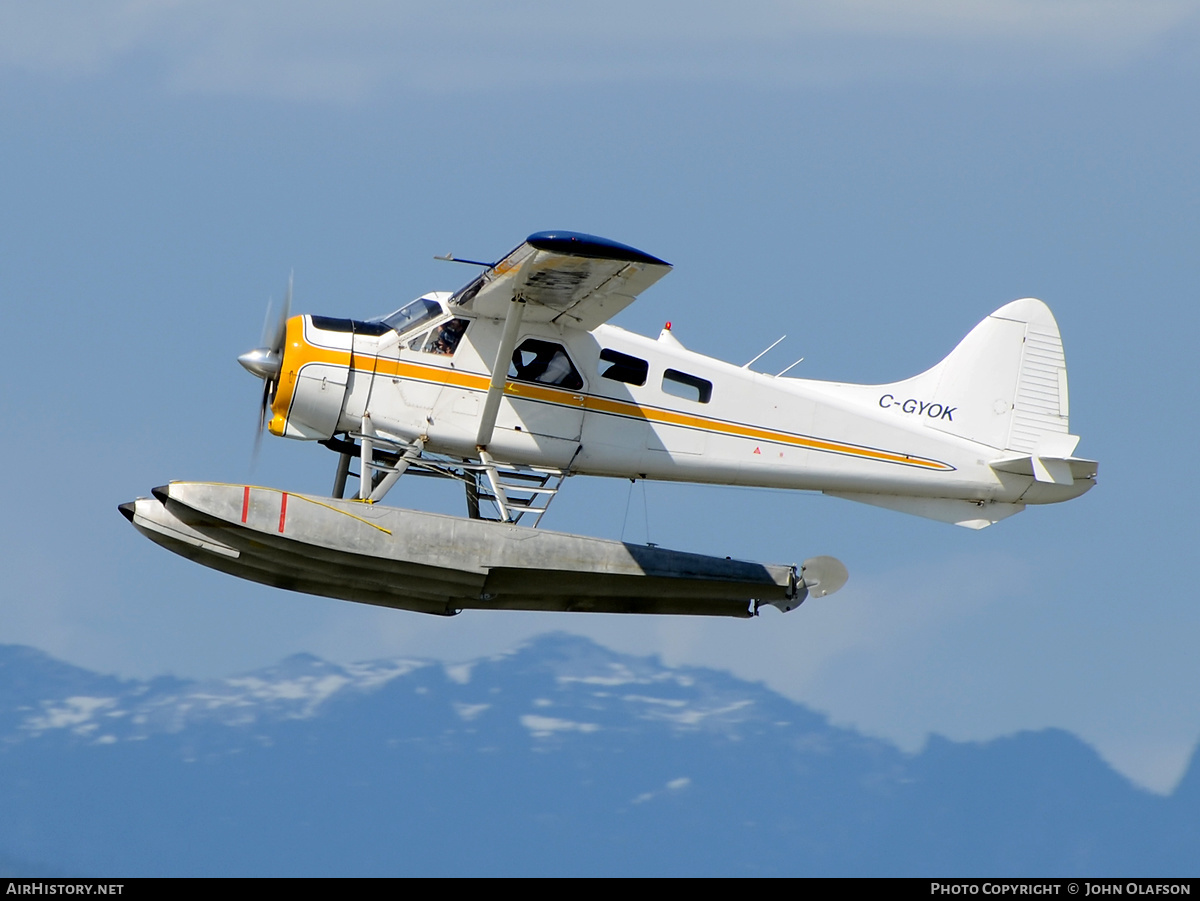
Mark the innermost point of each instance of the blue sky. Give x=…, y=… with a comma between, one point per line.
x=869, y=181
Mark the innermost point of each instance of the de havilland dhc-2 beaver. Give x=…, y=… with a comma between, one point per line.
x=516, y=381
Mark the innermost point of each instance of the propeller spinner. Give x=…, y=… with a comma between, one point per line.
x=266, y=361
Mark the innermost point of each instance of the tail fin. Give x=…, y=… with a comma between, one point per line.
x=1005, y=385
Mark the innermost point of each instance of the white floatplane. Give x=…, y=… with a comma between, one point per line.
x=516, y=381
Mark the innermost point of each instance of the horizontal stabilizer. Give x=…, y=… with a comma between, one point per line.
x=1051, y=469
x=1051, y=461
x=1058, y=470
x=970, y=514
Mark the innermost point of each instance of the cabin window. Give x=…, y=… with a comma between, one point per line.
x=409, y=317
x=689, y=387
x=546, y=362
x=442, y=340
x=623, y=368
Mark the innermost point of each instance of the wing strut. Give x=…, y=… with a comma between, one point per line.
x=508, y=343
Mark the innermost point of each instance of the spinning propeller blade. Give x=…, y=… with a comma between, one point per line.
x=263, y=406
x=274, y=340
x=266, y=360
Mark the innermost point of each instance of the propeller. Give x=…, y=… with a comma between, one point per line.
x=266, y=361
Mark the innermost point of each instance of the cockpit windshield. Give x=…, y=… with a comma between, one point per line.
x=420, y=310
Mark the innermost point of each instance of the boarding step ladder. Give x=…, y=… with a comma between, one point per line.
x=516, y=492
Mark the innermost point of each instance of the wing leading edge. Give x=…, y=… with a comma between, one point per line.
x=565, y=277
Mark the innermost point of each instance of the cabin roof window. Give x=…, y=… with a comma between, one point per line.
x=357, y=326
x=689, y=387
x=408, y=317
x=623, y=368
x=546, y=362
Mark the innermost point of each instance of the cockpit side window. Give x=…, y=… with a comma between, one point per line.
x=546, y=362
x=623, y=368
x=442, y=340
x=409, y=317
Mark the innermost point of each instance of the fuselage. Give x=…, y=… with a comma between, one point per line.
x=608, y=402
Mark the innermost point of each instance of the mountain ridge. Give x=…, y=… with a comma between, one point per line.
x=557, y=757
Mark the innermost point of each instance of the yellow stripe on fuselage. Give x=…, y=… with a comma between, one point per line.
x=301, y=353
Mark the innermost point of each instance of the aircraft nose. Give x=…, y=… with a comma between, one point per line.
x=262, y=362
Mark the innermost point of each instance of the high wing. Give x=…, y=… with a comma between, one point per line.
x=564, y=277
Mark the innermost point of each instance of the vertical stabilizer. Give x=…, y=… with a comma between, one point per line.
x=1005, y=385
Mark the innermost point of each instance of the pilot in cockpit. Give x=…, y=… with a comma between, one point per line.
x=445, y=338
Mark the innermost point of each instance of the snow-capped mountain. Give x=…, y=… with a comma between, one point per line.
x=560, y=757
